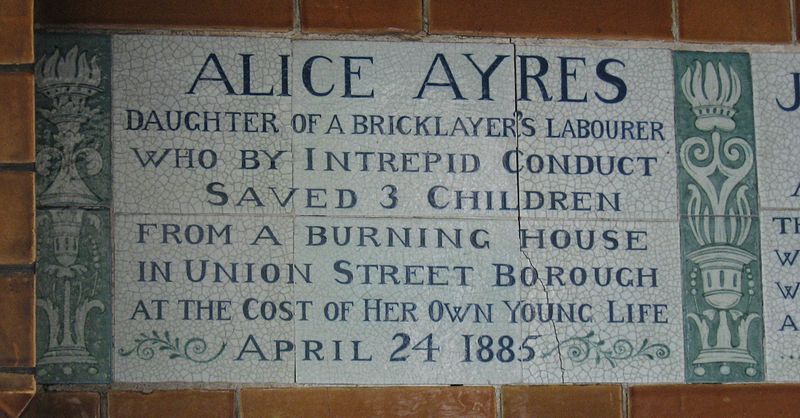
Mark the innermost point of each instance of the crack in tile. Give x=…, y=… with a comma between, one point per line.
x=517, y=115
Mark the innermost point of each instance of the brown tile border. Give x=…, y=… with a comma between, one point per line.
x=64, y=405
x=438, y=401
x=173, y=404
x=598, y=19
x=361, y=16
x=684, y=400
x=17, y=213
x=763, y=21
x=600, y=401
x=755, y=400
x=16, y=117
x=769, y=21
x=269, y=15
x=16, y=390
x=16, y=31
x=17, y=319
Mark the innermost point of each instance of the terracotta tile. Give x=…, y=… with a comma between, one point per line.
x=618, y=19
x=64, y=405
x=373, y=16
x=16, y=118
x=562, y=401
x=16, y=390
x=17, y=217
x=766, y=21
x=709, y=401
x=280, y=403
x=16, y=31
x=173, y=404
x=461, y=401
x=274, y=15
x=17, y=320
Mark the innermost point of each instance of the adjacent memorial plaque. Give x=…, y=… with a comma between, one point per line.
x=776, y=92
x=776, y=85
x=348, y=212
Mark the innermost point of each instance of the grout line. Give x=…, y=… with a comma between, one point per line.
x=237, y=403
x=458, y=216
x=426, y=16
x=18, y=370
x=16, y=68
x=624, y=400
x=19, y=268
x=17, y=167
x=498, y=407
x=104, y=404
x=675, y=25
x=296, y=21
x=793, y=21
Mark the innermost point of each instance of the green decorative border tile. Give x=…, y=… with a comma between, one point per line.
x=73, y=124
x=73, y=163
x=722, y=296
x=73, y=296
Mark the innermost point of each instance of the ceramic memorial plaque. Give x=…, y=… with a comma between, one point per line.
x=266, y=210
